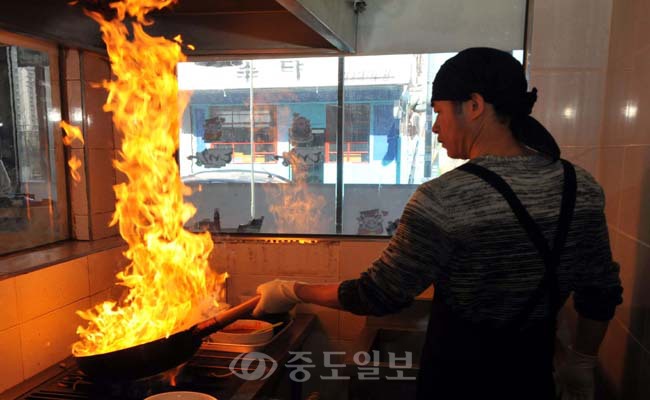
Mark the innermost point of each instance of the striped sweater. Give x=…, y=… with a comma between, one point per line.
x=459, y=234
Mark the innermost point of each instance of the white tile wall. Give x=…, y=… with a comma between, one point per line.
x=99, y=132
x=11, y=359
x=569, y=41
x=38, y=318
x=570, y=104
x=95, y=68
x=570, y=34
x=101, y=177
x=610, y=176
x=585, y=157
x=357, y=256
x=51, y=288
x=78, y=192
x=48, y=339
x=634, y=212
x=102, y=268
x=8, y=305
x=100, y=225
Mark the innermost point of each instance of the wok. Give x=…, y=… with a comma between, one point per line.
x=160, y=355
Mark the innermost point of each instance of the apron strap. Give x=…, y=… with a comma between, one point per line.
x=551, y=257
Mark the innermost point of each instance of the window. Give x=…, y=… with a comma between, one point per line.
x=280, y=173
x=230, y=127
x=356, y=125
x=32, y=181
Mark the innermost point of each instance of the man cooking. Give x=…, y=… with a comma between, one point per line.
x=504, y=239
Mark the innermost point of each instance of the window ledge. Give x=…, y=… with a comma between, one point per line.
x=30, y=260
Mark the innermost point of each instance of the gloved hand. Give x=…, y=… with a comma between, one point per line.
x=277, y=296
x=575, y=377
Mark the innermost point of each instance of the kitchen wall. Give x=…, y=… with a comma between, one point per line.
x=590, y=60
x=624, y=167
x=37, y=311
x=92, y=198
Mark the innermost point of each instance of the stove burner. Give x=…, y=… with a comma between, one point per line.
x=203, y=373
x=207, y=372
x=77, y=382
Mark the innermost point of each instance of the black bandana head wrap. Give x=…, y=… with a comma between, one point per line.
x=499, y=78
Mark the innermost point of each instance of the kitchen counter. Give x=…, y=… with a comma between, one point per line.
x=227, y=387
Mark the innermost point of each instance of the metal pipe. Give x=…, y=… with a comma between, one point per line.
x=252, y=138
x=339, y=148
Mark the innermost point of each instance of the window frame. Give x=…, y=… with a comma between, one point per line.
x=58, y=150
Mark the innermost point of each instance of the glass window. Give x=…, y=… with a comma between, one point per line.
x=279, y=173
x=32, y=182
x=229, y=127
x=267, y=175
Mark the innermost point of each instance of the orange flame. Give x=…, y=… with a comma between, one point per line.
x=169, y=280
x=294, y=206
x=74, y=163
x=72, y=133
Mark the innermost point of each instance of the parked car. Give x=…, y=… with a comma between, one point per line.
x=233, y=175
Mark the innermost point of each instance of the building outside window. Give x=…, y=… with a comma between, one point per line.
x=229, y=127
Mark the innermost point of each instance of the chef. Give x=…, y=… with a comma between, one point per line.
x=505, y=239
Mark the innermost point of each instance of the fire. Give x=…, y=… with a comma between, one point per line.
x=294, y=206
x=72, y=133
x=168, y=279
x=74, y=163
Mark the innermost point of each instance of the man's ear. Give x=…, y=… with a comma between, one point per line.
x=476, y=105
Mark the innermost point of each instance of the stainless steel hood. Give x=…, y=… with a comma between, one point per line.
x=214, y=27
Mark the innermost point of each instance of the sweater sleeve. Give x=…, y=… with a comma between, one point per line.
x=408, y=265
x=597, y=286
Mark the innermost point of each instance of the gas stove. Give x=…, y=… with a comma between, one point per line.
x=211, y=371
x=207, y=372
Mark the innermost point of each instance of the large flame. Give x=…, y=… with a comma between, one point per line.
x=169, y=279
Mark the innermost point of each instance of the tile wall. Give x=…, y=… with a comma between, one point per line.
x=590, y=60
x=92, y=199
x=625, y=174
x=37, y=311
x=328, y=261
x=568, y=65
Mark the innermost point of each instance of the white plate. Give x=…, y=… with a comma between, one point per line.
x=180, y=396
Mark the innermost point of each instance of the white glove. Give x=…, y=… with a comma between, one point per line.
x=277, y=296
x=575, y=377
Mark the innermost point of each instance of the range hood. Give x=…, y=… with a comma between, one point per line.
x=214, y=27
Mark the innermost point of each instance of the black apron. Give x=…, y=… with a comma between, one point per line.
x=468, y=360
